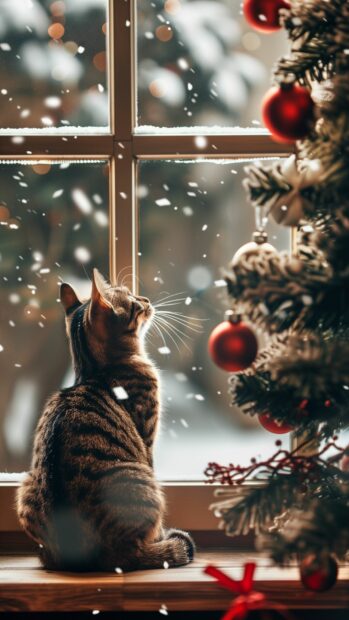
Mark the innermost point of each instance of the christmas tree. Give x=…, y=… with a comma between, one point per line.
x=299, y=503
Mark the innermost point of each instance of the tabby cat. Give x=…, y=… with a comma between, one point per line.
x=91, y=501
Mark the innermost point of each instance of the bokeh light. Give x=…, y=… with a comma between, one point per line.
x=164, y=33
x=56, y=30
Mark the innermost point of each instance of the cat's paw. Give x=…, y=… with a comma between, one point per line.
x=185, y=537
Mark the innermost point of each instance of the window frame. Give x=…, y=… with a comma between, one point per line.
x=123, y=148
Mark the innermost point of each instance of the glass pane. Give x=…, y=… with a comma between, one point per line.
x=193, y=218
x=200, y=64
x=53, y=65
x=53, y=227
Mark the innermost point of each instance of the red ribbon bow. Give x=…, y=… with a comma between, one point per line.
x=248, y=598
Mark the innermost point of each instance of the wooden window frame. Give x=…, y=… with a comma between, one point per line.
x=122, y=147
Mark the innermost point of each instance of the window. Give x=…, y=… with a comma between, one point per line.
x=117, y=124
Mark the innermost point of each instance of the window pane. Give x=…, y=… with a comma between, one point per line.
x=200, y=64
x=53, y=65
x=53, y=227
x=193, y=218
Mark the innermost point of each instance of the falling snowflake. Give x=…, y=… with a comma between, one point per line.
x=120, y=394
x=163, y=610
x=164, y=350
x=97, y=199
x=188, y=301
x=184, y=423
x=57, y=193
x=101, y=218
x=180, y=376
x=187, y=211
x=200, y=142
x=166, y=564
x=81, y=200
x=118, y=570
x=199, y=397
x=1, y=348
x=46, y=120
x=162, y=202
x=53, y=102
x=183, y=64
x=14, y=298
x=82, y=254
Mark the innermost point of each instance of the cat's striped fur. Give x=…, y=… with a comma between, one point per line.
x=91, y=500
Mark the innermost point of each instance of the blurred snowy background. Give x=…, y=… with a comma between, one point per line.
x=198, y=64
x=193, y=218
x=53, y=64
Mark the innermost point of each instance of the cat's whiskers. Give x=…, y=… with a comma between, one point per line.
x=194, y=324
x=167, y=330
x=174, y=330
x=166, y=297
x=157, y=328
x=185, y=324
x=169, y=304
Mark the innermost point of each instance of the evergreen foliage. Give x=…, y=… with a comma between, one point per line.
x=301, y=498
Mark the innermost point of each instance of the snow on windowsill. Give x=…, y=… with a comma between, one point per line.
x=216, y=130
x=66, y=130
x=8, y=478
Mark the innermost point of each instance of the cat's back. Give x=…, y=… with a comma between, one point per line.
x=83, y=433
x=83, y=421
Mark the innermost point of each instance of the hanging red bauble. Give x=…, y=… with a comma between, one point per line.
x=278, y=427
x=288, y=112
x=318, y=573
x=232, y=345
x=263, y=15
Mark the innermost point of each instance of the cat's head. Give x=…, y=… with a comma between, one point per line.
x=112, y=319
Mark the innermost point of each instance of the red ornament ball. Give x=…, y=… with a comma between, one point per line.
x=274, y=426
x=288, y=112
x=233, y=346
x=318, y=573
x=263, y=15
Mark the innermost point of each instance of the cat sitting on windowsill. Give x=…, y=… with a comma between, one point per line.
x=91, y=500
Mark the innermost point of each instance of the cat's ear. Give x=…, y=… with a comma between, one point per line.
x=68, y=297
x=98, y=299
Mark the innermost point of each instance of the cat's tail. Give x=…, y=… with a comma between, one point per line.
x=176, y=549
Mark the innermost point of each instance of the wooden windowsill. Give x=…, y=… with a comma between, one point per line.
x=24, y=586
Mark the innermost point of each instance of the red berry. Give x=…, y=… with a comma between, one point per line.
x=233, y=346
x=263, y=15
x=318, y=573
x=288, y=112
x=278, y=427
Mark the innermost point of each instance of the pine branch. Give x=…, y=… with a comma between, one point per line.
x=275, y=290
x=322, y=527
x=253, y=510
x=290, y=480
x=313, y=61
x=315, y=18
